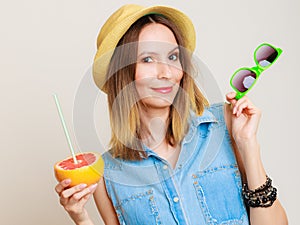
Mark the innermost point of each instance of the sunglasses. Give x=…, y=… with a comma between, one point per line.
x=244, y=78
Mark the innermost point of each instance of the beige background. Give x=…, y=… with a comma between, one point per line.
x=48, y=46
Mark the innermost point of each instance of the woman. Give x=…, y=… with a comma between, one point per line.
x=173, y=159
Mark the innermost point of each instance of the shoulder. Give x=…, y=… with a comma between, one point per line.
x=111, y=162
x=222, y=112
x=213, y=113
x=218, y=111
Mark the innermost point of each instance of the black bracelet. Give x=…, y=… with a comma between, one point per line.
x=263, y=196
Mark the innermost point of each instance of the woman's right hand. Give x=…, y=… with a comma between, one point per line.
x=73, y=199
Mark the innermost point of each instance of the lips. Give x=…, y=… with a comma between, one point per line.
x=163, y=90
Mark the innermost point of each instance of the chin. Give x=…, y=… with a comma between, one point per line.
x=158, y=103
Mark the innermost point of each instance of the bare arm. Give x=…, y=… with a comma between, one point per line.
x=104, y=205
x=247, y=152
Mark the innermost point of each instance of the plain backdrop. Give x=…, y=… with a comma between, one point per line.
x=47, y=47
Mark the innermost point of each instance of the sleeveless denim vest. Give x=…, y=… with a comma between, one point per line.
x=204, y=188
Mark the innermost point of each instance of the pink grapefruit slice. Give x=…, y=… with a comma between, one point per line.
x=88, y=170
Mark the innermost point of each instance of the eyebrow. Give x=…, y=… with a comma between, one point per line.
x=155, y=53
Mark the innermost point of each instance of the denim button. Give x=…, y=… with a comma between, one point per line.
x=175, y=199
x=165, y=167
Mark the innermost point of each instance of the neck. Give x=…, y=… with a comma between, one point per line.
x=154, y=125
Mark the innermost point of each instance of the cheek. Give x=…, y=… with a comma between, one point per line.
x=143, y=71
x=177, y=71
x=179, y=76
x=141, y=87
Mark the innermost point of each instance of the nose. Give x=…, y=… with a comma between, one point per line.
x=164, y=70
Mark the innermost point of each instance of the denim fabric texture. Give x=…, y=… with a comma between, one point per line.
x=204, y=188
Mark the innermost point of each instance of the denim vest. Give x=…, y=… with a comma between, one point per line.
x=204, y=188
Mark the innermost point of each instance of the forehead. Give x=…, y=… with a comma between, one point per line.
x=156, y=36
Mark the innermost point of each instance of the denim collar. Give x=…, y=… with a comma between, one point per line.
x=194, y=122
x=206, y=117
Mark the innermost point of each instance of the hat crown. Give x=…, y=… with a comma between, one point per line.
x=116, y=18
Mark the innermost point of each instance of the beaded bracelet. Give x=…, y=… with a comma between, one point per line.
x=263, y=196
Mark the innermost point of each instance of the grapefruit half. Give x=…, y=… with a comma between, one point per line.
x=88, y=170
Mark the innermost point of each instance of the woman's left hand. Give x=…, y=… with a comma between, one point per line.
x=245, y=119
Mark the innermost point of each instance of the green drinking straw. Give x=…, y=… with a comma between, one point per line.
x=65, y=127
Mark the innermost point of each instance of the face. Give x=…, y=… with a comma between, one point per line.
x=158, y=68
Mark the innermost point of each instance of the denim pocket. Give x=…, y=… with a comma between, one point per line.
x=139, y=208
x=219, y=194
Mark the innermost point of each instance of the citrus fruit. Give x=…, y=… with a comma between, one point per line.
x=88, y=170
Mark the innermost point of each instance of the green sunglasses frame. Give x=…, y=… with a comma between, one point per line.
x=258, y=69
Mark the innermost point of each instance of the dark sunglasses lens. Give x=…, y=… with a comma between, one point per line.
x=243, y=80
x=266, y=55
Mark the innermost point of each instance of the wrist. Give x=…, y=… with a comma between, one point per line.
x=254, y=169
x=88, y=222
x=263, y=196
x=245, y=142
x=81, y=219
x=248, y=148
x=250, y=156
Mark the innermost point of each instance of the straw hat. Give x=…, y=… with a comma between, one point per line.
x=120, y=21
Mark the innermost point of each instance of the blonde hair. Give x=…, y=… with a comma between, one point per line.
x=123, y=102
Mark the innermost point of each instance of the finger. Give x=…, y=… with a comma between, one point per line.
x=62, y=185
x=240, y=103
x=93, y=188
x=243, y=106
x=86, y=197
x=230, y=97
x=63, y=201
x=83, y=200
x=79, y=195
x=237, y=104
x=70, y=191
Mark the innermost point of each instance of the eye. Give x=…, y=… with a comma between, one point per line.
x=147, y=59
x=174, y=56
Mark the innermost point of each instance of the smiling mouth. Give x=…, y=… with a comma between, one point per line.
x=163, y=90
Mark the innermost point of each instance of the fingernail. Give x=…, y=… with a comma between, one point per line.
x=92, y=187
x=82, y=186
x=67, y=181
